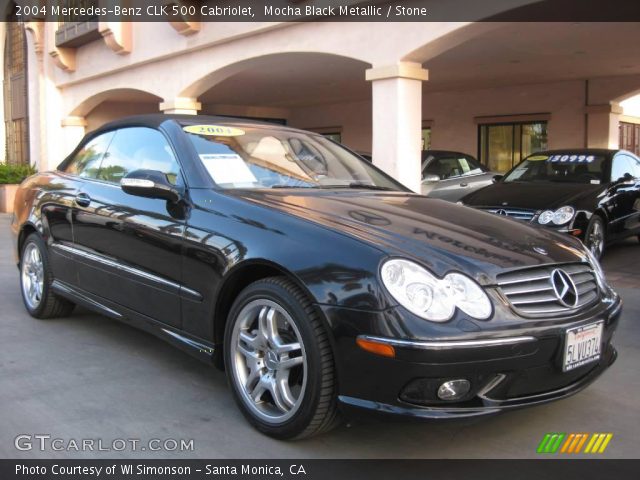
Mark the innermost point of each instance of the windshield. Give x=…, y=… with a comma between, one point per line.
x=258, y=157
x=563, y=167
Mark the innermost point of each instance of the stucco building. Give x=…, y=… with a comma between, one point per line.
x=494, y=90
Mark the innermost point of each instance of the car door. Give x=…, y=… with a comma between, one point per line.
x=625, y=195
x=459, y=174
x=59, y=201
x=129, y=247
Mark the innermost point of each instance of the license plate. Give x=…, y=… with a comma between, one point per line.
x=582, y=345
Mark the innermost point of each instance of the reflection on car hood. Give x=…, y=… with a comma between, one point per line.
x=533, y=195
x=441, y=235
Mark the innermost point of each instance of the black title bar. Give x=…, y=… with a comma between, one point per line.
x=324, y=10
x=318, y=469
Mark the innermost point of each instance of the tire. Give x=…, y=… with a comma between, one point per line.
x=595, y=237
x=36, y=279
x=295, y=385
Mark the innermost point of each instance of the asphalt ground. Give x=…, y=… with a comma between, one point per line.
x=88, y=377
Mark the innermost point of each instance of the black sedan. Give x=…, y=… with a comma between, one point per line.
x=591, y=194
x=320, y=284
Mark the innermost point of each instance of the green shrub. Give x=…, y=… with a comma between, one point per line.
x=14, y=173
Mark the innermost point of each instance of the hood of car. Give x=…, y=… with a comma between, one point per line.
x=532, y=195
x=441, y=235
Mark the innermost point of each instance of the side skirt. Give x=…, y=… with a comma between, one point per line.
x=198, y=348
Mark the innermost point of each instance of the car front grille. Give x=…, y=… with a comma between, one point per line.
x=518, y=213
x=531, y=292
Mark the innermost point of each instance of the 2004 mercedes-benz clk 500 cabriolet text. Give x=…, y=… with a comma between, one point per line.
x=321, y=285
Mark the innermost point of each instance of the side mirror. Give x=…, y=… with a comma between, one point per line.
x=497, y=178
x=150, y=184
x=622, y=181
x=430, y=177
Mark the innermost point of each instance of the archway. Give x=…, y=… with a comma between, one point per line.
x=322, y=92
x=110, y=105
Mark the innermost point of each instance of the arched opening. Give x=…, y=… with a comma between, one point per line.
x=111, y=105
x=16, y=109
x=322, y=92
x=500, y=91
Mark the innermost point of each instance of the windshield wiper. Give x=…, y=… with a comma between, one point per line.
x=291, y=186
x=368, y=186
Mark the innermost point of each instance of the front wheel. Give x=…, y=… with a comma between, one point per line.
x=595, y=236
x=279, y=361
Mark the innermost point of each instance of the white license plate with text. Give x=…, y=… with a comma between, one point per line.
x=582, y=345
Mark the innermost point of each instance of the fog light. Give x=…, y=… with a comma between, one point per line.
x=454, y=389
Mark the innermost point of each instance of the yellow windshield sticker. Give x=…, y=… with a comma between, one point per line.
x=214, y=130
x=537, y=158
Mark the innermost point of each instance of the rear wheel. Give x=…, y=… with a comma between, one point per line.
x=595, y=236
x=35, y=282
x=279, y=362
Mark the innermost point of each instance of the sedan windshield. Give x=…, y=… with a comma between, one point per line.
x=262, y=157
x=563, y=167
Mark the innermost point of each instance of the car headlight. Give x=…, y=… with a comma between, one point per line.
x=597, y=268
x=432, y=298
x=559, y=217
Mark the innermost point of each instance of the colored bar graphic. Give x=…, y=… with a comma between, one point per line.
x=551, y=442
x=543, y=443
x=572, y=443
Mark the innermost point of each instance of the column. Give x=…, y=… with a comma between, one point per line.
x=603, y=125
x=181, y=105
x=397, y=120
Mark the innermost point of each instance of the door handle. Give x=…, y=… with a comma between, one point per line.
x=83, y=200
x=464, y=184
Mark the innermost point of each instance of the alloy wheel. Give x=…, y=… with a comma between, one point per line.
x=269, y=361
x=595, y=239
x=32, y=276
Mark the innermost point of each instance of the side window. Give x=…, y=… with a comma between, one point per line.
x=136, y=148
x=429, y=166
x=469, y=166
x=86, y=162
x=621, y=165
x=448, y=167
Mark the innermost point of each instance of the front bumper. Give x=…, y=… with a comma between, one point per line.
x=508, y=368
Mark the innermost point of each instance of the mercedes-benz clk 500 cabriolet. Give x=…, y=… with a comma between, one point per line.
x=318, y=283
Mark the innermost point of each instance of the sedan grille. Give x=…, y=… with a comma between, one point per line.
x=547, y=291
x=518, y=213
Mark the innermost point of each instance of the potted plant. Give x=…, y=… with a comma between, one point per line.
x=10, y=178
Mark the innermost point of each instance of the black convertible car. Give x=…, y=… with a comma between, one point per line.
x=319, y=284
x=591, y=194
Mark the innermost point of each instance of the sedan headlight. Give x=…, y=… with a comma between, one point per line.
x=432, y=298
x=559, y=217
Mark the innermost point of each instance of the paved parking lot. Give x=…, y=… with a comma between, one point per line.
x=90, y=377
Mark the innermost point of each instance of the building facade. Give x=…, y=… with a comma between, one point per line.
x=498, y=91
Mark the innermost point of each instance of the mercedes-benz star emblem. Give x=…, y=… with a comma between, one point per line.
x=369, y=217
x=564, y=288
x=502, y=212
